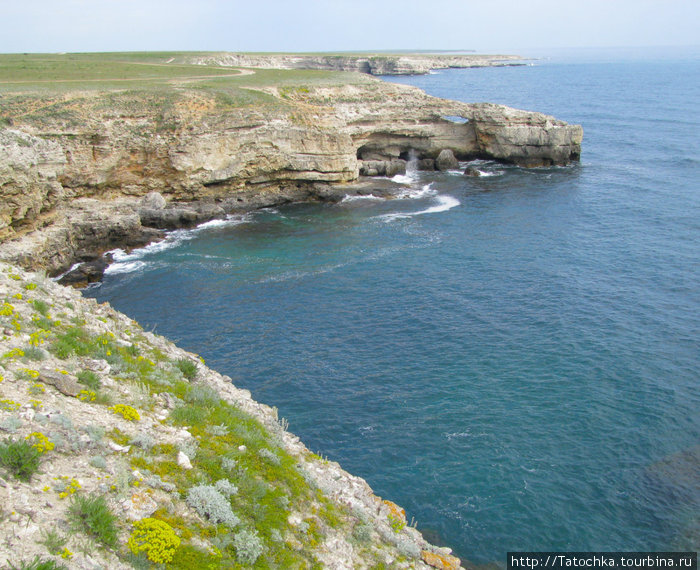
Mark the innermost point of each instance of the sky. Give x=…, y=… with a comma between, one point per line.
x=487, y=26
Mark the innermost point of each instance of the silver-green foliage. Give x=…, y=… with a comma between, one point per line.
x=225, y=487
x=249, y=546
x=211, y=504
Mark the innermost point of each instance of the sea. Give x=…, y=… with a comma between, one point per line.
x=513, y=358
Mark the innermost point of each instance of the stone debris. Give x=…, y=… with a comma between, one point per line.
x=64, y=383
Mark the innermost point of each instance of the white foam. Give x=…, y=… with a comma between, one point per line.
x=124, y=267
x=408, y=178
x=72, y=268
x=416, y=193
x=128, y=262
x=444, y=203
x=213, y=224
x=355, y=198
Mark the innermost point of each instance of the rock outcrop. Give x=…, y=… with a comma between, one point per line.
x=72, y=181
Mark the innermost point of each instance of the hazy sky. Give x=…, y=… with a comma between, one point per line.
x=334, y=25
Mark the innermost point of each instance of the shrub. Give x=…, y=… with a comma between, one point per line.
x=188, y=368
x=41, y=307
x=33, y=352
x=156, y=538
x=40, y=442
x=98, y=462
x=249, y=546
x=203, y=395
x=91, y=515
x=127, y=412
x=20, y=458
x=269, y=456
x=225, y=487
x=89, y=379
x=211, y=504
x=54, y=541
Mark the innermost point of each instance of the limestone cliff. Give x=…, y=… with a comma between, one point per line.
x=373, y=64
x=75, y=165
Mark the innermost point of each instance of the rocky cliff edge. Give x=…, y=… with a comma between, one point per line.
x=120, y=450
x=76, y=164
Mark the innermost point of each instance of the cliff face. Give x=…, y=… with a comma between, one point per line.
x=227, y=157
x=378, y=64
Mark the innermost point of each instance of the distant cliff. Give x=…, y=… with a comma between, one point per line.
x=373, y=64
x=76, y=164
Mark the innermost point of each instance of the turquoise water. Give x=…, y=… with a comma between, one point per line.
x=512, y=358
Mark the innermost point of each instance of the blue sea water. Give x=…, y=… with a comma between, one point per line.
x=513, y=358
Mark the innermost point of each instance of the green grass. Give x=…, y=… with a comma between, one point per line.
x=91, y=515
x=188, y=368
x=117, y=71
x=20, y=458
x=89, y=379
x=37, y=564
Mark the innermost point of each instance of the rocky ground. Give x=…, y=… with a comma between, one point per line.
x=106, y=428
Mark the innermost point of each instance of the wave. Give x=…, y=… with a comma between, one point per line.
x=415, y=193
x=444, y=203
x=124, y=267
x=410, y=177
x=356, y=198
x=129, y=262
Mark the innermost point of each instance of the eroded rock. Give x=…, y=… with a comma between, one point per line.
x=446, y=160
x=64, y=383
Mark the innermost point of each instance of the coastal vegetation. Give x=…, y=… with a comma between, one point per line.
x=143, y=457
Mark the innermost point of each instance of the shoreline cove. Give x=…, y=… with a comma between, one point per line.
x=107, y=170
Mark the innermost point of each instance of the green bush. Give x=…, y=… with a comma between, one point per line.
x=90, y=514
x=41, y=307
x=248, y=546
x=20, y=458
x=188, y=368
x=34, y=353
x=89, y=379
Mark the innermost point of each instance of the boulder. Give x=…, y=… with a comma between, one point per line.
x=373, y=168
x=395, y=167
x=471, y=171
x=85, y=273
x=64, y=383
x=426, y=164
x=152, y=201
x=446, y=160
x=441, y=561
x=169, y=218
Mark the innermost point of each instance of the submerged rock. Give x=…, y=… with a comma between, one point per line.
x=472, y=171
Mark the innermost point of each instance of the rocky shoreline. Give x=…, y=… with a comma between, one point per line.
x=72, y=182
